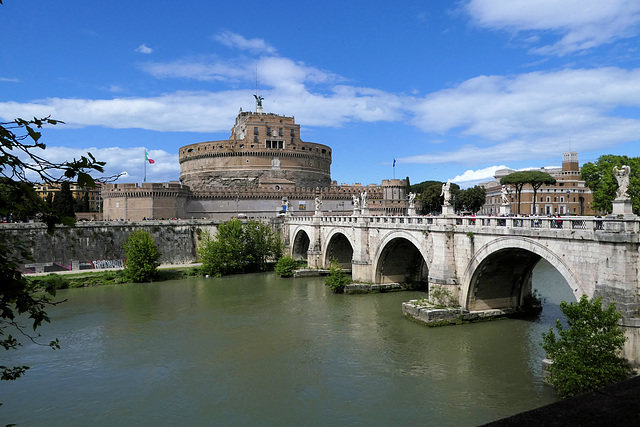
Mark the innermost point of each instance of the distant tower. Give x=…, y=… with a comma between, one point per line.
x=570, y=162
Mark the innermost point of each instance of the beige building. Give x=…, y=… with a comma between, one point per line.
x=569, y=196
x=264, y=169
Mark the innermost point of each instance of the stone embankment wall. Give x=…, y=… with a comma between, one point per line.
x=98, y=244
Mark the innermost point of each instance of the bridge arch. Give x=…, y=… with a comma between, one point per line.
x=340, y=248
x=500, y=272
x=400, y=258
x=300, y=244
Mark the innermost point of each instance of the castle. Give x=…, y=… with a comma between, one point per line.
x=263, y=170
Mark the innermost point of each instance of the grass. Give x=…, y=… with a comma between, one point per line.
x=99, y=278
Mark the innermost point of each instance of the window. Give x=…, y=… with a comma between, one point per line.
x=293, y=133
x=255, y=131
x=270, y=143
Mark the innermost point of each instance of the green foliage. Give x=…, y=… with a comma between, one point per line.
x=285, y=266
x=534, y=178
x=431, y=195
x=600, y=179
x=586, y=355
x=142, y=257
x=442, y=297
x=471, y=199
x=337, y=279
x=63, y=202
x=239, y=248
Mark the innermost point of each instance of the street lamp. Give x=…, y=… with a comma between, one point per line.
x=568, y=195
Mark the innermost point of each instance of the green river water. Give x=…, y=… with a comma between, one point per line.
x=259, y=350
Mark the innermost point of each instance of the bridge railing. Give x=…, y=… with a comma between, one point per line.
x=596, y=224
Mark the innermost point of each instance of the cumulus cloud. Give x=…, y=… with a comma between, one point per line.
x=236, y=41
x=129, y=163
x=480, y=175
x=144, y=49
x=581, y=24
x=527, y=115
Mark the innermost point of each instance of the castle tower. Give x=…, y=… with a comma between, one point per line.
x=570, y=162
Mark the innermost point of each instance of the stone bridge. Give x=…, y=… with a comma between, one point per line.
x=486, y=262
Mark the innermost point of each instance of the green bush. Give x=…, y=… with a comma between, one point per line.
x=337, y=279
x=239, y=248
x=285, y=266
x=586, y=355
x=142, y=257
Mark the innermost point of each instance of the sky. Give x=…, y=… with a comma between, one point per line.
x=452, y=90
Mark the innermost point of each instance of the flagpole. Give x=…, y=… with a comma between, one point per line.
x=145, y=165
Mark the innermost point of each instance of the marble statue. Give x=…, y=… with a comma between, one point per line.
x=505, y=195
x=446, y=192
x=363, y=198
x=356, y=202
x=318, y=204
x=622, y=176
x=412, y=200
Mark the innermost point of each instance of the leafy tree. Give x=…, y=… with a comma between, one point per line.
x=586, y=355
x=600, y=179
x=518, y=180
x=64, y=203
x=537, y=179
x=142, y=257
x=238, y=248
x=285, y=266
x=420, y=187
x=20, y=168
x=472, y=199
x=431, y=199
x=337, y=280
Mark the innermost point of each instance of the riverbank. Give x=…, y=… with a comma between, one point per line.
x=108, y=276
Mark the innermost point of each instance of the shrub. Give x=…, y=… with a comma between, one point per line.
x=142, y=257
x=239, y=248
x=586, y=355
x=337, y=279
x=285, y=266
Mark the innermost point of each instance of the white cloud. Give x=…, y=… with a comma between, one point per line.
x=532, y=115
x=480, y=175
x=582, y=24
x=144, y=49
x=236, y=41
x=127, y=162
x=6, y=79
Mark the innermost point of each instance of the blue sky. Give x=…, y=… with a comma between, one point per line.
x=452, y=90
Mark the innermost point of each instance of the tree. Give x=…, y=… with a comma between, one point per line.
x=431, y=197
x=518, y=180
x=239, y=248
x=285, y=266
x=20, y=168
x=537, y=179
x=472, y=199
x=64, y=203
x=142, y=257
x=586, y=355
x=337, y=280
x=600, y=179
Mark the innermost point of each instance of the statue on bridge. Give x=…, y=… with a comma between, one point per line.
x=505, y=195
x=318, y=204
x=622, y=176
x=412, y=200
x=446, y=192
x=356, y=202
x=363, y=200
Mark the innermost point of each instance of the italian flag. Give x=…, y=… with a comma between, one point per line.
x=146, y=157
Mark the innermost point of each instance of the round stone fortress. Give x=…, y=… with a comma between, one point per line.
x=263, y=149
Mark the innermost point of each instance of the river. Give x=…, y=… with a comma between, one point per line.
x=259, y=350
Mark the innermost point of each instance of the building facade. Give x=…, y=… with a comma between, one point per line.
x=568, y=196
x=263, y=170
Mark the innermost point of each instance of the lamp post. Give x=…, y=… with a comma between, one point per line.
x=568, y=195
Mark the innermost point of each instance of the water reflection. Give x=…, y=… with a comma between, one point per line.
x=261, y=350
